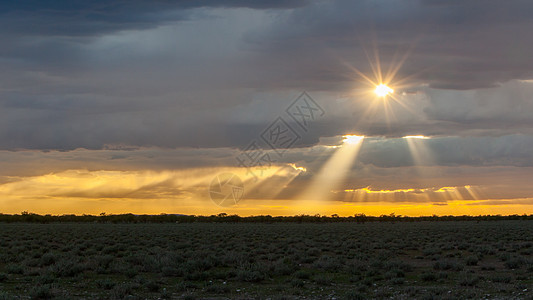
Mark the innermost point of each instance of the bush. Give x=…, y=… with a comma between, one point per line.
x=171, y=271
x=397, y=281
x=514, y=262
x=428, y=277
x=14, y=269
x=313, y=252
x=502, y=278
x=121, y=291
x=282, y=267
x=323, y=279
x=41, y=292
x=153, y=286
x=302, y=274
x=47, y=259
x=46, y=278
x=5, y=296
x=355, y=295
x=183, y=286
x=68, y=268
x=356, y=267
x=328, y=263
x=250, y=276
x=105, y=284
x=471, y=260
x=218, y=289
x=445, y=264
x=468, y=280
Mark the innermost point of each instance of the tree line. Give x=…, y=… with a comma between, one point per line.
x=29, y=217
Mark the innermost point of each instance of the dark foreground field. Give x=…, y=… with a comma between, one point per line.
x=424, y=260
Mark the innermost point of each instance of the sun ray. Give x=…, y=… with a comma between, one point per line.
x=333, y=171
x=422, y=157
x=419, y=151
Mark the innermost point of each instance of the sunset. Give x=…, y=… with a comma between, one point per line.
x=338, y=111
x=139, y=117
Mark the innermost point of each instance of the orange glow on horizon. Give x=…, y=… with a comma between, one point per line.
x=185, y=192
x=274, y=208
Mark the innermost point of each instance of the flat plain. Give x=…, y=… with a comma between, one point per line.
x=406, y=260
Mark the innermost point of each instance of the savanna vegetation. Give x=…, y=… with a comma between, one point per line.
x=225, y=218
x=276, y=260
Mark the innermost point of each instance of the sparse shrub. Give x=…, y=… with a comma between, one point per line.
x=428, y=276
x=67, y=268
x=501, y=278
x=123, y=290
x=46, y=278
x=297, y=283
x=471, y=260
x=442, y=275
x=14, y=268
x=41, y=292
x=48, y=259
x=467, y=279
x=529, y=265
x=171, y=271
x=356, y=267
x=514, y=262
x=398, y=281
x=165, y=294
x=185, y=286
x=431, y=251
x=302, y=274
x=328, y=263
x=282, y=267
x=152, y=286
x=250, y=276
x=218, y=289
x=105, y=283
x=313, y=252
x=397, y=265
x=196, y=276
x=31, y=262
x=323, y=279
x=102, y=263
x=463, y=246
x=396, y=273
x=445, y=264
x=356, y=295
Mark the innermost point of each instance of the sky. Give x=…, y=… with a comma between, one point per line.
x=266, y=107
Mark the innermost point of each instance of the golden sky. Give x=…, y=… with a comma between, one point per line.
x=353, y=108
x=283, y=189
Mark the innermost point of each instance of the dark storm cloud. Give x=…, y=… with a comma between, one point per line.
x=98, y=75
x=451, y=44
x=510, y=150
x=85, y=18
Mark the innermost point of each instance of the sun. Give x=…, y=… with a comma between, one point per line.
x=352, y=139
x=383, y=90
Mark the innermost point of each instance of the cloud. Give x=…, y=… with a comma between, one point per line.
x=136, y=76
x=88, y=18
x=509, y=150
x=103, y=100
x=452, y=45
x=147, y=177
